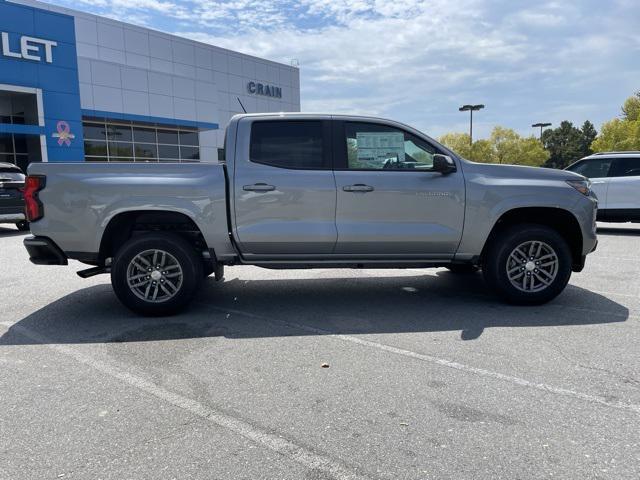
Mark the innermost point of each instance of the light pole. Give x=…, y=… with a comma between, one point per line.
x=541, y=125
x=471, y=109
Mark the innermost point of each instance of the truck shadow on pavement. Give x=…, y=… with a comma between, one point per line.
x=240, y=308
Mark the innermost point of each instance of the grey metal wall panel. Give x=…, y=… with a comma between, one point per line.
x=124, y=68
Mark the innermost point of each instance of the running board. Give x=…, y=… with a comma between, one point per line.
x=90, y=272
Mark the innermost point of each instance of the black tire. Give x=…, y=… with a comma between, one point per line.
x=23, y=226
x=462, y=268
x=495, y=260
x=184, y=255
x=207, y=269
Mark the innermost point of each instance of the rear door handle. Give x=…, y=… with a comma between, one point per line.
x=258, y=187
x=358, y=187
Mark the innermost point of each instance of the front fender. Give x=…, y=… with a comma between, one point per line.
x=488, y=199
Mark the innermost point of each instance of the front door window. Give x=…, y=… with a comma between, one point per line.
x=373, y=146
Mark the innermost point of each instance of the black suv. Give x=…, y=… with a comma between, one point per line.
x=11, y=198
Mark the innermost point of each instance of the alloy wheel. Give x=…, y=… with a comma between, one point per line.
x=532, y=266
x=154, y=276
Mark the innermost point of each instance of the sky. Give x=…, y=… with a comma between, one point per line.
x=418, y=61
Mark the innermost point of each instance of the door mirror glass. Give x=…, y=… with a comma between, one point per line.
x=443, y=164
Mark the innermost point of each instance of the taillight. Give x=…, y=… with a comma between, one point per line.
x=32, y=204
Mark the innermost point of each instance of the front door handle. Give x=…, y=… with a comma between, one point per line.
x=358, y=187
x=258, y=187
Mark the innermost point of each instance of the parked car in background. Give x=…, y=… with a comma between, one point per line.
x=11, y=196
x=615, y=179
x=311, y=191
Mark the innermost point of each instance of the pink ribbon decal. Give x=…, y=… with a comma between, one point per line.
x=63, y=134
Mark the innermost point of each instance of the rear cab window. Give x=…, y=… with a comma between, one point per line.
x=292, y=144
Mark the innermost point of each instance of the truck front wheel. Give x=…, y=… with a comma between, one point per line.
x=528, y=264
x=156, y=274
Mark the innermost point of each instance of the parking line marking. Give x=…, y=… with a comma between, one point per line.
x=274, y=442
x=443, y=362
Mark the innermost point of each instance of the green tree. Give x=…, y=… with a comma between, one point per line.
x=621, y=134
x=631, y=108
x=480, y=151
x=504, y=142
x=566, y=144
x=483, y=151
x=530, y=152
x=589, y=134
x=618, y=135
x=503, y=146
x=458, y=142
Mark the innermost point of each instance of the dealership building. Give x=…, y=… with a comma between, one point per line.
x=79, y=87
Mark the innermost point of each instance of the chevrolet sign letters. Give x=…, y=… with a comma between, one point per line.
x=267, y=90
x=29, y=48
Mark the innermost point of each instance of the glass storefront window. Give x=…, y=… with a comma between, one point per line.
x=20, y=143
x=19, y=149
x=94, y=132
x=114, y=142
x=168, y=136
x=189, y=138
x=6, y=143
x=190, y=153
x=144, y=135
x=168, y=152
x=119, y=133
x=18, y=108
x=121, y=149
x=146, y=150
x=95, y=148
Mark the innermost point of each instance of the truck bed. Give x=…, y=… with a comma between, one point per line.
x=80, y=199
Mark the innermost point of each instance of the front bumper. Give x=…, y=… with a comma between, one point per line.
x=44, y=251
x=579, y=266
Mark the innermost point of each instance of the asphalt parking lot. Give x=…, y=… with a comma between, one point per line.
x=428, y=377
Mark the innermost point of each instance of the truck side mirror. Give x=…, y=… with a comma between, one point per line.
x=443, y=164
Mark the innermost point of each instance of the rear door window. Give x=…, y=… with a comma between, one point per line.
x=296, y=144
x=592, y=168
x=625, y=167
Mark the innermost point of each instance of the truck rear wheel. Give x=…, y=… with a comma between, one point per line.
x=156, y=274
x=528, y=264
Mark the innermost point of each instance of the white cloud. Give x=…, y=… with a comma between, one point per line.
x=417, y=60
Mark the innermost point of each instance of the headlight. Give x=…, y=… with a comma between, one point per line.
x=583, y=186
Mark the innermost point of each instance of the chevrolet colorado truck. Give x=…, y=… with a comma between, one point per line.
x=311, y=191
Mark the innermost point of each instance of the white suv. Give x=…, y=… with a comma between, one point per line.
x=616, y=181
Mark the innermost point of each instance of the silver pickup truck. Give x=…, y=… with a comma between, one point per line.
x=311, y=191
